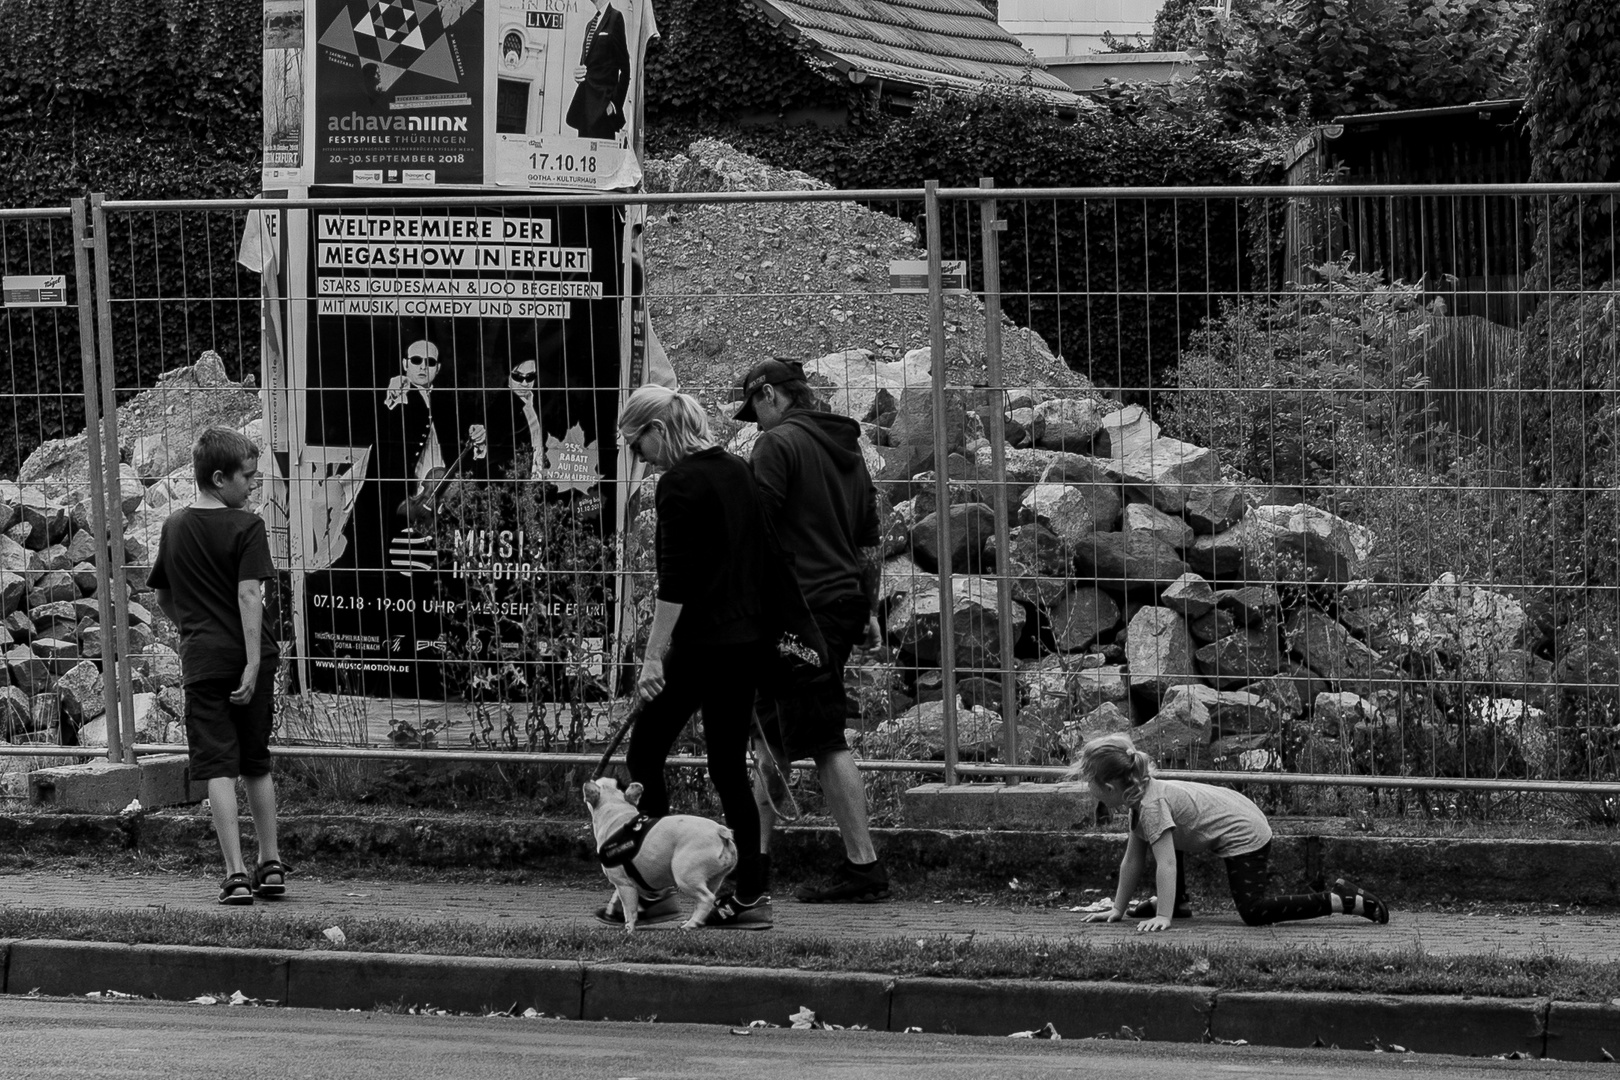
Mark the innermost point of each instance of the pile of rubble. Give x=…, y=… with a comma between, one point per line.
x=1151, y=591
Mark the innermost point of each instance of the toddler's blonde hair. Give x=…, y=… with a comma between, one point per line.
x=1110, y=758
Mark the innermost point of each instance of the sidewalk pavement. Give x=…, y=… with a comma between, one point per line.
x=543, y=904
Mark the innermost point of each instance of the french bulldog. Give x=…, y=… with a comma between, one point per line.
x=646, y=854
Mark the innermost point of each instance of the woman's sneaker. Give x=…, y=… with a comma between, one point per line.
x=1147, y=909
x=1359, y=902
x=654, y=909
x=849, y=884
x=732, y=914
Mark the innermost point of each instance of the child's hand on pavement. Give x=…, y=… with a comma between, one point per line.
x=1154, y=925
x=1111, y=915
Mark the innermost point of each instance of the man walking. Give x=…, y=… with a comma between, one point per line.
x=818, y=494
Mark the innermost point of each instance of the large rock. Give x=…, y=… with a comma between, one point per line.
x=1330, y=650
x=16, y=559
x=1060, y=687
x=51, y=586
x=1108, y=718
x=27, y=671
x=1480, y=627
x=849, y=381
x=919, y=734
x=1189, y=596
x=1245, y=552
x=915, y=422
x=59, y=654
x=901, y=577
x=1143, y=517
x=1169, y=472
x=1240, y=658
x=1129, y=431
x=915, y=624
x=47, y=519
x=1337, y=548
x=16, y=718
x=1037, y=561
x=1073, y=511
x=1082, y=616
x=80, y=689
x=161, y=664
x=971, y=527
x=1221, y=713
x=13, y=591
x=1122, y=562
x=1026, y=467
x=1158, y=652
x=1174, y=740
x=1068, y=424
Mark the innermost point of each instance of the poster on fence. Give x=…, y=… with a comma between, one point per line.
x=456, y=475
x=399, y=92
x=567, y=90
x=524, y=95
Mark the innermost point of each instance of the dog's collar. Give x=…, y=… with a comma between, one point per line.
x=624, y=844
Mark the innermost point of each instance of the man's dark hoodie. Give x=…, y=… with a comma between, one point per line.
x=815, y=487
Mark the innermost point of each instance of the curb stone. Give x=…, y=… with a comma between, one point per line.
x=718, y=995
x=1427, y=1024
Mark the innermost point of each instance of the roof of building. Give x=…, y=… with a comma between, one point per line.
x=954, y=43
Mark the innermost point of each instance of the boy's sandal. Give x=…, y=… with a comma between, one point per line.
x=236, y=889
x=270, y=868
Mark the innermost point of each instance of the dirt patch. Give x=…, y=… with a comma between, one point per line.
x=730, y=284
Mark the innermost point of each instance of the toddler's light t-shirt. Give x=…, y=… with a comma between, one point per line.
x=1205, y=817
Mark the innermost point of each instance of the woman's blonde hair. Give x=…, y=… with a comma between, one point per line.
x=1110, y=758
x=686, y=426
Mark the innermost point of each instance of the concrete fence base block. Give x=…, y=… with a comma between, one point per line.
x=1424, y=1025
x=94, y=787
x=166, y=781
x=706, y=995
x=1063, y=805
x=170, y=972
x=323, y=980
x=1076, y=1010
x=1583, y=1031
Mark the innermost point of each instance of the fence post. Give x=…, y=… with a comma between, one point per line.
x=84, y=290
x=990, y=229
x=113, y=489
x=942, y=474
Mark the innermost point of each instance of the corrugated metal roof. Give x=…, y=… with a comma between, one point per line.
x=921, y=42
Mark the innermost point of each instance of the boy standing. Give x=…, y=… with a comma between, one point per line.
x=213, y=558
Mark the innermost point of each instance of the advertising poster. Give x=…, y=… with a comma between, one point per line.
x=456, y=479
x=567, y=88
x=283, y=92
x=399, y=92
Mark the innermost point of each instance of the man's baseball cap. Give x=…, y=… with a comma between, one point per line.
x=763, y=374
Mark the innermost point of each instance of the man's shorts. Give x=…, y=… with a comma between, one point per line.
x=807, y=720
x=229, y=740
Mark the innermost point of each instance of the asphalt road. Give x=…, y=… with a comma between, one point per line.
x=128, y=1040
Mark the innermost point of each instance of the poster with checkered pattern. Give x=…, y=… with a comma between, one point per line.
x=400, y=92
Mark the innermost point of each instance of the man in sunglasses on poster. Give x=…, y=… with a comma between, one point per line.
x=423, y=424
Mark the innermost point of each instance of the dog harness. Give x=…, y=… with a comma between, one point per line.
x=621, y=848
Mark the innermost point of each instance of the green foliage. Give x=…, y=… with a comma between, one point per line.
x=1275, y=60
x=1574, y=122
x=723, y=59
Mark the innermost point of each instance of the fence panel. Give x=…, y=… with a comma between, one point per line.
x=1315, y=523
x=1271, y=503
x=53, y=569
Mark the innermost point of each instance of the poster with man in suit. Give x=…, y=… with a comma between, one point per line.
x=568, y=92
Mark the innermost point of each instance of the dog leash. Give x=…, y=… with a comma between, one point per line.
x=770, y=759
x=636, y=707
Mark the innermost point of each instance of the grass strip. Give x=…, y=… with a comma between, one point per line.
x=1304, y=969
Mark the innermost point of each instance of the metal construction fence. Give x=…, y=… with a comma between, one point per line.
x=1320, y=485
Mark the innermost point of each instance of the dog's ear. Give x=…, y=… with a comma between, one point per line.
x=593, y=794
x=632, y=794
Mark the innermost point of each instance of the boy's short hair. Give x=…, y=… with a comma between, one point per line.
x=219, y=449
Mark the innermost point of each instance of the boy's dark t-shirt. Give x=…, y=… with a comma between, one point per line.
x=203, y=554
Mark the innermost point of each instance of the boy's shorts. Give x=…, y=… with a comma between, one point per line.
x=229, y=740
